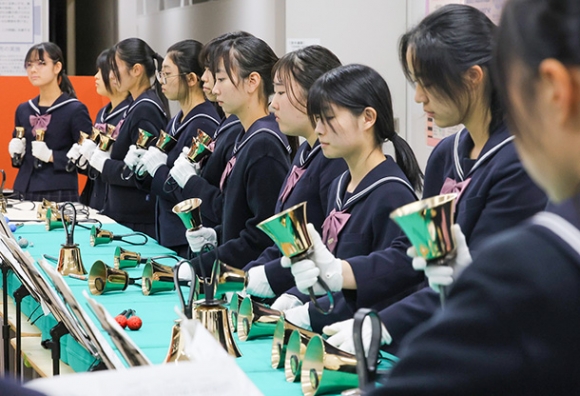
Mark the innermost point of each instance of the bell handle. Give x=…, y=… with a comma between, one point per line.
x=69, y=234
x=209, y=281
x=91, y=221
x=122, y=238
x=186, y=305
x=170, y=185
x=314, y=298
x=126, y=176
x=70, y=166
x=92, y=173
x=366, y=367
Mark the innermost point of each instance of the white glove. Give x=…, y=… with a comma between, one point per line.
x=133, y=155
x=183, y=170
x=98, y=159
x=444, y=275
x=41, y=151
x=17, y=146
x=285, y=302
x=299, y=316
x=341, y=335
x=185, y=272
x=74, y=153
x=198, y=238
x=258, y=284
x=152, y=160
x=88, y=148
x=319, y=262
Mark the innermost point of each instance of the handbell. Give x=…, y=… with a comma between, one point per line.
x=105, y=142
x=327, y=369
x=282, y=334
x=69, y=258
x=166, y=142
x=144, y=139
x=295, y=350
x=214, y=317
x=99, y=236
x=256, y=320
x=157, y=278
x=104, y=279
x=176, y=352
x=53, y=219
x=42, y=208
x=204, y=138
x=234, y=308
x=198, y=151
x=37, y=163
x=229, y=279
x=17, y=158
x=126, y=259
x=95, y=135
x=189, y=211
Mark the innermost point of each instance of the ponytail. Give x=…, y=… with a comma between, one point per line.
x=407, y=161
x=158, y=62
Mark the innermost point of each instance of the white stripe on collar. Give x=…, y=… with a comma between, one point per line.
x=52, y=108
x=480, y=161
x=134, y=104
x=365, y=191
x=238, y=148
x=224, y=127
x=112, y=114
x=174, y=132
x=561, y=227
x=311, y=154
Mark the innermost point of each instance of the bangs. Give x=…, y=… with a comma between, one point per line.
x=319, y=103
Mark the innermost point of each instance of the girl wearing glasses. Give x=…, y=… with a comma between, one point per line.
x=133, y=65
x=94, y=192
x=56, y=114
x=180, y=81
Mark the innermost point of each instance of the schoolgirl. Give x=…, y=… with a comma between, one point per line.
x=133, y=66
x=55, y=113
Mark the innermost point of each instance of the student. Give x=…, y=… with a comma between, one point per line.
x=510, y=325
x=133, y=65
x=311, y=174
x=354, y=118
x=180, y=81
x=94, y=192
x=261, y=156
x=447, y=56
x=203, y=180
x=55, y=110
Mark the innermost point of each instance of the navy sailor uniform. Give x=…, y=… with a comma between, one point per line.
x=68, y=116
x=250, y=191
x=498, y=196
x=124, y=202
x=510, y=324
x=312, y=187
x=207, y=185
x=169, y=228
x=94, y=192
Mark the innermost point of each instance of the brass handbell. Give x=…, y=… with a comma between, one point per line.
x=327, y=369
x=17, y=158
x=204, y=138
x=282, y=334
x=39, y=138
x=256, y=320
x=197, y=151
x=42, y=208
x=126, y=259
x=176, y=352
x=295, y=350
x=229, y=279
x=95, y=135
x=144, y=139
x=235, y=303
x=427, y=224
x=103, y=279
x=157, y=278
x=72, y=164
x=105, y=142
x=54, y=219
x=99, y=236
x=189, y=211
x=69, y=258
x=288, y=231
x=166, y=142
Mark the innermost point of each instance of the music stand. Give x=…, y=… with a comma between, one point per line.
x=53, y=303
x=109, y=358
x=131, y=352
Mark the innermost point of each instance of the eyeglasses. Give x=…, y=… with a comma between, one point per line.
x=162, y=76
x=38, y=63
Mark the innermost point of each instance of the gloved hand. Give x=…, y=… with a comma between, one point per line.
x=198, y=238
x=286, y=301
x=152, y=160
x=133, y=155
x=98, y=159
x=319, y=262
x=341, y=335
x=74, y=153
x=41, y=151
x=88, y=148
x=444, y=275
x=184, y=272
x=299, y=316
x=258, y=284
x=17, y=146
x=183, y=170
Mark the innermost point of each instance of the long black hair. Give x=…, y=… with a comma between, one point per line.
x=102, y=64
x=185, y=55
x=529, y=32
x=55, y=54
x=356, y=87
x=134, y=51
x=444, y=45
x=304, y=66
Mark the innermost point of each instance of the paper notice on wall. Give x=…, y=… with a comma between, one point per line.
x=293, y=44
x=20, y=28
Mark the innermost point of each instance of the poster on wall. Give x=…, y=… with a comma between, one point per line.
x=491, y=8
x=21, y=26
